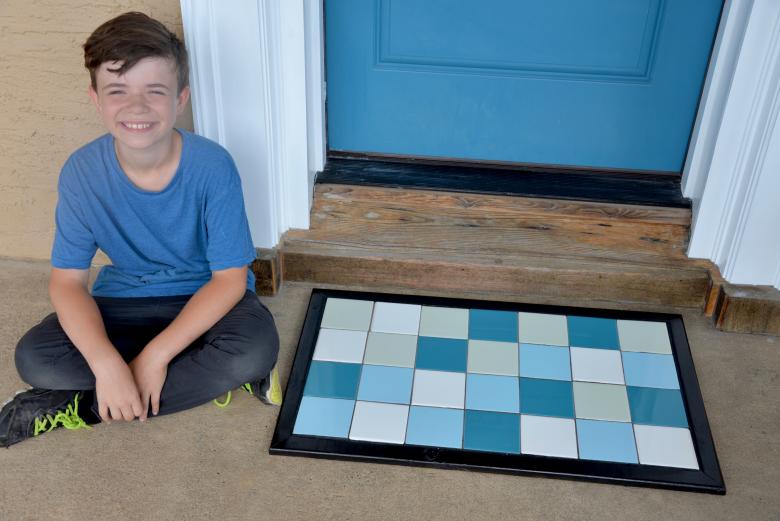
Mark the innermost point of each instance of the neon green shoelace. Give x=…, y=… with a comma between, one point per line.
x=247, y=387
x=69, y=418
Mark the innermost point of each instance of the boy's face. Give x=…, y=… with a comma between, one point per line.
x=140, y=107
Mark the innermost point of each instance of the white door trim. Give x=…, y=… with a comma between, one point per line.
x=258, y=88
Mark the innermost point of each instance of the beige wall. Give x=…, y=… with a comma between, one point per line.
x=45, y=113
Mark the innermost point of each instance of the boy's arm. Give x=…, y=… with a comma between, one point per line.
x=204, y=309
x=80, y=317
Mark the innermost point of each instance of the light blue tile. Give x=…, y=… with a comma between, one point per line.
x=441, y=354
x=332, y=380
x=599, y=333
x=606, y=441
x=650, y=370
x=324, y=417
x=492, y=432
x=435, y=427
x=380, y=383
x=500, y=326
x=546, y=397
x=492, y=393
x=548, y=362
x=657, y=407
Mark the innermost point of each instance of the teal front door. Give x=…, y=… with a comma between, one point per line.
x=598, y=84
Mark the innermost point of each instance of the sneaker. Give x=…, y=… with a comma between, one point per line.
x=35, y=411
x=268, y=390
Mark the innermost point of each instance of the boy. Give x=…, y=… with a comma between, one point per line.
x=174, y=321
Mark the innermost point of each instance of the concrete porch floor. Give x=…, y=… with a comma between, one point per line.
x=210, y=463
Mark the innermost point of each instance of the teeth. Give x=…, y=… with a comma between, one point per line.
x=138, y=126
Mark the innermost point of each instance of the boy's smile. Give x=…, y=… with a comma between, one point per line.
x=139, y=108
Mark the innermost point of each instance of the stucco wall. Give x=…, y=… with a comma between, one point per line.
x=45, y=113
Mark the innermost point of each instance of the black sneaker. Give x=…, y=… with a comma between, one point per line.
x=268, y=390
x=33, y=412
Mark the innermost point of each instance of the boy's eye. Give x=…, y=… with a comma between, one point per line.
x=116, y=92
x=158, y=92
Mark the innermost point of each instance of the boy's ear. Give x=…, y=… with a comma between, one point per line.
x=94, y=97
x=181, y=100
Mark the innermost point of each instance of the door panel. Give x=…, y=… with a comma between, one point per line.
x=598, y=84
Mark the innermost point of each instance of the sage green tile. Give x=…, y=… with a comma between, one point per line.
x=347, y=314
x=541, y=328
x=601, y=402
x=646, y=337
x=489, y=357
x=444, y=322
x=391, y=349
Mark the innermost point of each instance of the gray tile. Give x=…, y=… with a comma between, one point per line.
x=488, y=357
x=595, y=401
x=444, y=322
x=647, y=337
x=540, y=328
x=391, y=349
x=347, y=314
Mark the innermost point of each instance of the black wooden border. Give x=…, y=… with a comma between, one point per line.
x=707, y=479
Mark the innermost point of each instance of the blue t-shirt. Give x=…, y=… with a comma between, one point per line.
x=160, y=243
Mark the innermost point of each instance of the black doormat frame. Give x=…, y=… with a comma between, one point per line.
x=582, y=185
x=707, y=479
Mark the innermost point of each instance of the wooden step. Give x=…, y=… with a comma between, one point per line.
x=507, y=246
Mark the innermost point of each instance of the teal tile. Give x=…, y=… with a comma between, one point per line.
x=499, y=326
x=492, y=432
x=441, y=354
x=599, y=333
x=332, y=380
x=657, y=407
x=546, y=397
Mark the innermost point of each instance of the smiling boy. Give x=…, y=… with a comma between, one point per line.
x=173, y=322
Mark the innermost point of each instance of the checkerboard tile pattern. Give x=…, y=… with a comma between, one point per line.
x=562, y=386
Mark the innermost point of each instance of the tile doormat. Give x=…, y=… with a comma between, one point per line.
x=599, y=395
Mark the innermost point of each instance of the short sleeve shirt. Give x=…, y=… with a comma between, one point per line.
x=160, y=243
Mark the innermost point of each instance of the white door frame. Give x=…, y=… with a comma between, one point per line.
x=257, y=79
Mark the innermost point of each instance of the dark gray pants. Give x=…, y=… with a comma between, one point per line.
x=241, y=347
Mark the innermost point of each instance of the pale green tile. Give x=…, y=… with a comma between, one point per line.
x=493, y=357
x=444, y=322
x=391, y=349
x=347, y=314
x=601, y=402
x=646, y=337
x=541, y=328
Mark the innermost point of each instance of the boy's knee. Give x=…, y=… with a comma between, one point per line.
x=31, y=366
x=253, y=354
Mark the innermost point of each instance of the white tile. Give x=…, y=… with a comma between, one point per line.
x=548, y=436
x=380, y=422
x=396, y=318
x=340, y=345
x=439, y=389
x=541, y=328
x=642, y=336
x=596, y=365
x=665, y=446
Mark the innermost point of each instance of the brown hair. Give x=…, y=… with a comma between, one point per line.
x=129, y=38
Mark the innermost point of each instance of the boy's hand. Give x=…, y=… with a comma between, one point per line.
x=149, y=372
x=116, y=391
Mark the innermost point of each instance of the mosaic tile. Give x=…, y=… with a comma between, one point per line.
x=403, y=319
x=439, y=389
x=491, y=431
x=657, y=406
x=324, y=417
x=665, y=446
x=379, y=422
x=650, y=370
x=380, y=383
x=444, y=322
x=545, y=436
x=441, y=354
x=540, y=328
x=340, y=345
x=601, y=402
x=347, y=314
x=600, y=333
x=548, y=362
x=391, y=349
x=487, y=357
x=487, y=392
x=647, y=337
x=332, y=380
x=435, y=427
x=499, y=326
x=596, y=365
x=606, y=441
x=546, y=397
